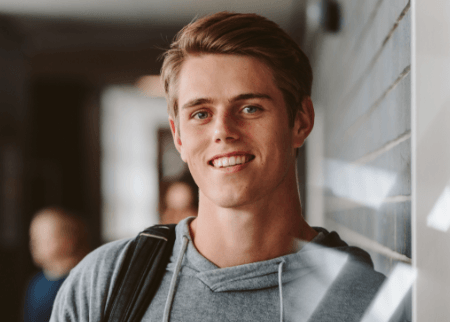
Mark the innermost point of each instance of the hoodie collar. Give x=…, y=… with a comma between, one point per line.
x=251, y=276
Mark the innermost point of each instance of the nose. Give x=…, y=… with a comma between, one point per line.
x=225, y=129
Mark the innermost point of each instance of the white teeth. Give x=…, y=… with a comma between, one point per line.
x=231, y=161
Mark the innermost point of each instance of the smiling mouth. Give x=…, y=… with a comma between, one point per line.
x=227, y=162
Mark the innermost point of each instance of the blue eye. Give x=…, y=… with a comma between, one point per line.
x=251, y=109
x=200, y=115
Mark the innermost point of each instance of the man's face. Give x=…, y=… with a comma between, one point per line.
x=231, y=112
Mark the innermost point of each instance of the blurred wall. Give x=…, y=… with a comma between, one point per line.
x=129, y=160
x=13, y=119
x=363, y=86
x=49, y=155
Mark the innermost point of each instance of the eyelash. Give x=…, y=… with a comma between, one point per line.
x=197, y=113
x=257, y=108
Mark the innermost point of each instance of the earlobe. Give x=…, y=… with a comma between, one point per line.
x=304, y=122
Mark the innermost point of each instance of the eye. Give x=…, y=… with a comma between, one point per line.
x=251, y=109
x=201, y=115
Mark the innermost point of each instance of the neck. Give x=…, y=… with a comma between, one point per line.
x=268, y=228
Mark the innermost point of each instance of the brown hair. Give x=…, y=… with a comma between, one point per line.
x=246, y=35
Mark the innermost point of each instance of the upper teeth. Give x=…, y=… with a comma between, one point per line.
x=230, y=161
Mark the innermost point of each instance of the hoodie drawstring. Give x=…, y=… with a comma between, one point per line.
x=280, y=288
x=173, y=282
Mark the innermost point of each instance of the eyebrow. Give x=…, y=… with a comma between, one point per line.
x=241, y=97
x=247, y=96
x=196, y=102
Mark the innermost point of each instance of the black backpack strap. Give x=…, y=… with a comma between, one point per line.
x=140, y=274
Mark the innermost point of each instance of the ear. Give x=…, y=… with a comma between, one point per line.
x=304, y=122
x=176, y=137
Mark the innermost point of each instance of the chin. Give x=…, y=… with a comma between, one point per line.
x=232, y=201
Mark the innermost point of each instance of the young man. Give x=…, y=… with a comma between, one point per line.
x=238, y=89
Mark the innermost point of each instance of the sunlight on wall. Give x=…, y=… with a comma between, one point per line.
x=362, y=184
x=439, y=217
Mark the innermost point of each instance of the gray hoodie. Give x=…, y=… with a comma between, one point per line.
x=326, y=280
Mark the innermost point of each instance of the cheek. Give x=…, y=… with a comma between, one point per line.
x=251, y=131
x=193, y=151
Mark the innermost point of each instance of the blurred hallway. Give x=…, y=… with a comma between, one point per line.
x=69, y=83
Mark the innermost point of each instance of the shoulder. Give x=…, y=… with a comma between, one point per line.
x=355, y=282
x=84, y=294
x=352, y=292
x=101, y=263
x=35, y=280
x=33, y=287
x=107, y=255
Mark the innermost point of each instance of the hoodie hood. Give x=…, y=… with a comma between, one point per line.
x=326, y=250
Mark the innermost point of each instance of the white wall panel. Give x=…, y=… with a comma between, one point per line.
x=431, y=159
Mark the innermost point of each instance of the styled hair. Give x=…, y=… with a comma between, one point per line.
x=246, y=35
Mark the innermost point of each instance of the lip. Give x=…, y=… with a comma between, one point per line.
x=230, y=154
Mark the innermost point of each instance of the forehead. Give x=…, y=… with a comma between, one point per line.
x=220, y=76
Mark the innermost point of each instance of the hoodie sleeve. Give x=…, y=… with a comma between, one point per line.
x=85, y=292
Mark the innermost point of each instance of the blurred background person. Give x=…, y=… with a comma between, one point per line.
x=180, y=203
x=58, y=242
